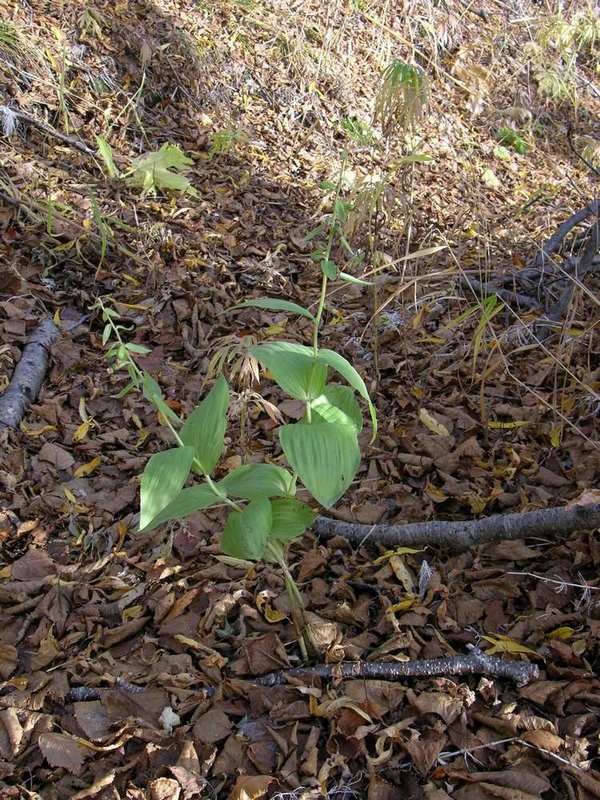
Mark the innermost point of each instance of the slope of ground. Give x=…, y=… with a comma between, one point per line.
x=125, y=658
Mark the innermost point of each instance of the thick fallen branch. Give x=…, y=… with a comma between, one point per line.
x=548, y=523
x=72, y=141
x=29, y=374
x=475, y=663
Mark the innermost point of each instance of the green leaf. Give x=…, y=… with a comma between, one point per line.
x=153, y=393
x=329, y=268
x=162, y=481
x=326, y=457
x=105, y=152
x=344, y=276
x=137, y=348
x=273, y=304
x=204, y=429
x=162, y=169
x=293, y=367
x=187, y=501
x=347, y=371
x=258, y=480
x=290, y=519
x=338, y=404
x=246, y=532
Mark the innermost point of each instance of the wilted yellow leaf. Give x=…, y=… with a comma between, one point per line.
x=398, y=551
x=36, y=431
x=432, y=424
x=83, y=430
x=565, y=632
x=517, y=423
x=133, y=612
x=86, y=469
x=403, y=574
x=504, y=644
x=556, y=435
x=403, y=605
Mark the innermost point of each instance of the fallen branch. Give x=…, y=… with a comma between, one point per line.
x=550, y=523
x=566, y=227
x=29, y=374
x=475, y=663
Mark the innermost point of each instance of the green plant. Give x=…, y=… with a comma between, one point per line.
x=225, y=141
x=402, y=97
x=358, y=131
x=512, y=138
x=163, y=169
x=322, y=449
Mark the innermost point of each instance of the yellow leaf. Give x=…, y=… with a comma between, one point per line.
x=83, y=430
x=564, y=632
x=276, y=330
x=432, y=424
x=133, y=612
x=504, y=644
x=477, y=503
x=86, y=469
x=556, y=435
x=402, y=574
x=517, y=423
x=69, y=495
x=56, y=318
x=36, y=431
x=435, y=494
x=403, y=605
x=399, y=551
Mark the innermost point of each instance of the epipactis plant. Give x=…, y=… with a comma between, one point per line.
x=322, y=449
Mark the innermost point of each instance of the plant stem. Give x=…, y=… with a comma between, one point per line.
x=319, y=314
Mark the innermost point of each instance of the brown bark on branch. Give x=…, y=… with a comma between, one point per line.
x=29, y=374
x=475, y=663
x=548, y=523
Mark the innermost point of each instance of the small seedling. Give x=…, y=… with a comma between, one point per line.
x=511, y=138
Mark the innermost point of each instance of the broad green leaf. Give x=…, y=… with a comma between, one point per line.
x=162, y=169
x=290, y=519
x=347, y=371
x=326, y=457
x=153, y=393
x=344, y=276
x=162, y=480
x=258, y=480
x=329, y=268
x=246, y=532
x=187, y=501
x=338, y=404
x=105, y=151
x=274, y=304
x=204, y=429
x=293, y=367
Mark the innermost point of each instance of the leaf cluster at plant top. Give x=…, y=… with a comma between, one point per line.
x=161, y=170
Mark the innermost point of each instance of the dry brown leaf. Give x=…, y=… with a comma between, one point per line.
x=61, y=750
x=251, y=787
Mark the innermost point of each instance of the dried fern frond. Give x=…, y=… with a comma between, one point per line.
x=402, y=97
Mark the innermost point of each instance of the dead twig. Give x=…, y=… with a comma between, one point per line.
x=475, y=663
x=29, y=374
x=550, y=523
x=72, y=141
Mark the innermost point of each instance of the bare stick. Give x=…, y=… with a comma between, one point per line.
x=72, y=141
x=475, y=663
x=550, y=523
x=29, y=374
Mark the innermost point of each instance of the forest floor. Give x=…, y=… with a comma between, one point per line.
x=125, y=659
